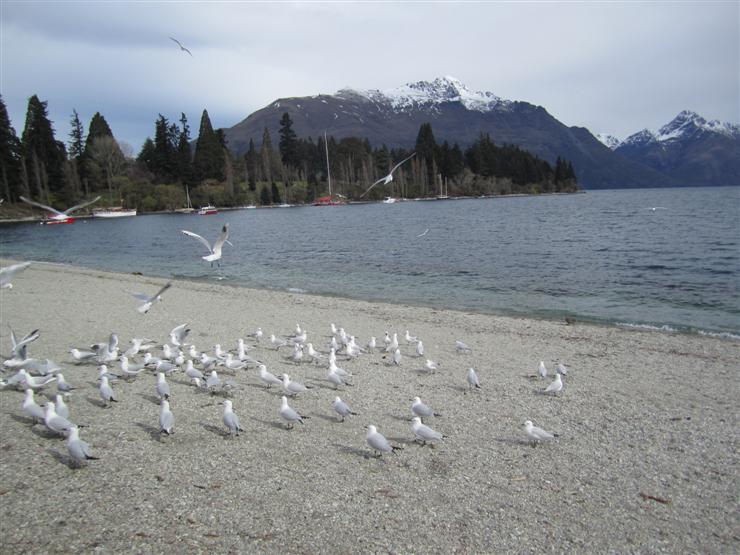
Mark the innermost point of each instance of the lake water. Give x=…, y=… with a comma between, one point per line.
x=603, y=256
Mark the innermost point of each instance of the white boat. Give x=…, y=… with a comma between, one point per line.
x=389, y=200
x=114, y=212
x=208, y=210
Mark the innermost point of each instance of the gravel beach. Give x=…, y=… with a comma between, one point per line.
x=646, y=458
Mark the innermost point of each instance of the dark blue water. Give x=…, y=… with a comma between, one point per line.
x=602, y=256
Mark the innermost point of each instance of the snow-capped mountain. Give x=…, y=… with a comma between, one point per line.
x=689, y=149
x=609, y=141
x=430, y=94
x=458, y=115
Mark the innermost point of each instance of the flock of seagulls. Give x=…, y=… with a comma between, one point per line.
x=177, y=355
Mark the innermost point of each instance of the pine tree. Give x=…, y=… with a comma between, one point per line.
x=76, y=137
x=184, y=154
x=164, y=156
x=44, y=155
x=147, y=155
x=208, y=161
x=266, y=155
x=10, y=159
x=265, y=197
x=288, y=142
x=250, y=159
x=275, y=193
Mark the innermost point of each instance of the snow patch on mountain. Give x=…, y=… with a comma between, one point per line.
x=685, y=125
x=608, y=140
x=429, y=94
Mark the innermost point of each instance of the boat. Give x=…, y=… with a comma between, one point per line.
x=113, y=212
x=389, y=200
x=251, y=207
x=189, y=209
x=208, y=210
x=329, y=200
x=57, y=220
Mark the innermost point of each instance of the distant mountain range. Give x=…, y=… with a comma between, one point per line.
x=459, y=115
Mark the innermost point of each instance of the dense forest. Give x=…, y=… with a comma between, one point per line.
x=41, y=167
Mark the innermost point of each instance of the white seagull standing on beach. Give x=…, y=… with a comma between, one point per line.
x=289, y=414
x=378, y=442
x=536, y=434
x=150, y=300
x=215, y=250
x=342, y=408
x=166, y=418
x=7, y=274
x=178, y=334
x=231, y=420
x=424, y=433
x=78, y=449
x=555, y=386
x=388, y=178
x=473, y=379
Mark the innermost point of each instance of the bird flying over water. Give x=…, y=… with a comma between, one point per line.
x=215, y=250
x=388, y=178
x=57, y=215
x=181, y=46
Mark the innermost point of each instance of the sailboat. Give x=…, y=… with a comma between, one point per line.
x=189, y=209
x=329, y=200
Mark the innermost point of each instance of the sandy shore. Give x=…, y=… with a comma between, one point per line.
x=646, y=459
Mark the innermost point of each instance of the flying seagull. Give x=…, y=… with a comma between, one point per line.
x=181, y=46
x=388, y=178
x=150, y=300
x=7, y=274
x=57, y=215
x=217, y=246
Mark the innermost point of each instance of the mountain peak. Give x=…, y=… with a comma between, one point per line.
x=429, y=94
x=608, y=140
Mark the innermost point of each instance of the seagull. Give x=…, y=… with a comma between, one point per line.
x=181, y=46
x=61, y=407
x=342, y=408
x=106, y=392
x=542, y=369
x=62, y=384
x=166, y=418
x=421, y=410
x=82, y=356
x=462, y=347
x=655, y=208
x=425, y=232
x=561, y=369
x=424, y=433
x=410, y=338
x=293, y=388
x=388, y=178
x=57, y=215
x=311, y=352
x=148, y=301
x=555, y=386
x=178, y=334
x=33, y=382
x=289, y=414
x=397, y=357
x=277, y=343
x=31, y=408
x=372, y=344
x=18, y=345
x=257, y=334
x=215, y=250
x=231, y=420
x=431, y=366
x=56, y=423
x=420, y=349
x=269, y=378
x=536, y=434
x=336, y=379
x=192, y=372
x=9, y=272
x=163, y=388
x=377, y=441
x=78, y=449
x=129, y=370
x=473, y=379
x=392, y=345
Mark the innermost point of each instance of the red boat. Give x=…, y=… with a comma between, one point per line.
x=329, y=201
x=53, y=221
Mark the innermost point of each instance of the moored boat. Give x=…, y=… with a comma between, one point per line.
x=208, y=210
x=114, y=212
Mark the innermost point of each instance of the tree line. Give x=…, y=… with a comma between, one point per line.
x=172, y=163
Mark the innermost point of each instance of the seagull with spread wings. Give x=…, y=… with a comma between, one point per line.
x=56, y=214
x=149, y=300
x=215, y=250
x=181, y=46
x=388, y=178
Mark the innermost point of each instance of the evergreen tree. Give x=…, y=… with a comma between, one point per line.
x=184, y=154
x=288, y=142
x=266, y=155
x=251, y=160
x=44, y=155
x=10, y=159
x=164, y=156
x=208, y=161
x=275, y=194
x=89, y=169
x=265, y=197
x=76, y=137
x=147, y=155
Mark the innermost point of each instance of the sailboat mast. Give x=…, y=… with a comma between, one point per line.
x=328, y=174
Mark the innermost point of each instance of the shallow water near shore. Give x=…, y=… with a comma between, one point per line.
x=604, y=256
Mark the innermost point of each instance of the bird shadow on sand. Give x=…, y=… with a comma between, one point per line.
x=64, y=459
x=22, y=419
x=216, y=430
x=400, y=418
x=458, y=388
x=44, y=433
x=364, y=453
x=96, y=402
x=326, y=417
x=403, y=440
x=271, y=423
x=512, y=441
x=154, y=433
x=151, y=398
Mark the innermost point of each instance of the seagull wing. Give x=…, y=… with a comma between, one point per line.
x=373, y=185
x=7, y=273
x=81, y=205
x=141, y=296
x=164, y=288
x=38, y=204
x=186, y=50
x=402, y=161
x=199, y=238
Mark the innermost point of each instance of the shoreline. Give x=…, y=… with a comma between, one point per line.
x=567, y=318
x=638, y=466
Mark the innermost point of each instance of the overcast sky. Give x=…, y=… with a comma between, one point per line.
x=614, y=67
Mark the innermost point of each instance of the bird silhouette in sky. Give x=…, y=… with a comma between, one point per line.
x=181, y=46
